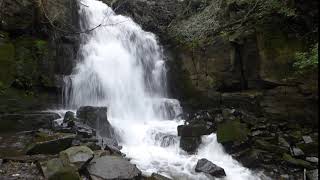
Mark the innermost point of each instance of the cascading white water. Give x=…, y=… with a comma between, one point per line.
x=122, y=67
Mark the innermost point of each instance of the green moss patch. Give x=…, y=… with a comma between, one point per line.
x=232, y=131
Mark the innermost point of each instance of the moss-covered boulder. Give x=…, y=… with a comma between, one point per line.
x=55, y=169
x=232, y=131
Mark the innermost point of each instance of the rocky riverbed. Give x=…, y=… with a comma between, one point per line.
x=72, y=146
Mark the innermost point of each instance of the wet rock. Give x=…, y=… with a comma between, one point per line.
x=208, y=167
x=296, y=162
x=193, y=130
x=78, y=156
x=312, y=159
x=313, y=175
x=55, y=169
x=190, y=144
x=114, y=150
x=232, y=132
x=250, y=158
x=296, y=152
x=96, y=117
x=112, y=167
x=307, y=139
x=54, y=145
x=84, y=130
x=155, y=176
x=69, y=119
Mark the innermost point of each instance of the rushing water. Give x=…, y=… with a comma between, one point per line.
x=122, y=67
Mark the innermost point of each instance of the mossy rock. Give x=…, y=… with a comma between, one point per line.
x=296, y=162
x=232, y=131
x=55, y=169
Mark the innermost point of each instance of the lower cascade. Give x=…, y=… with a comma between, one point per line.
x=123, y=68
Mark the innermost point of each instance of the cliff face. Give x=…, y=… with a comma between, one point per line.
x=240, y=55
x=221, y=53
x=37, y=47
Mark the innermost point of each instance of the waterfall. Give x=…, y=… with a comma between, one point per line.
x=122, y=67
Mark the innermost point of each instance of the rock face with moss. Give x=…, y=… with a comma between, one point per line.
x=37, y=47
x=217, y=47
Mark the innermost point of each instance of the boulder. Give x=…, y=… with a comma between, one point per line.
x=196, y=130
x=51, y=144
x=55, y=169
x=312, y=160
x=296, y=162
x=96, y=117
x=231, y=132
x=69, y=117
x=112, y=167
x=78, y=156
x=190, y=144
x=296, y=152
x=313, y=174
x=250, y=158
x=209, y=168
x=307, y=139
x=84, y=130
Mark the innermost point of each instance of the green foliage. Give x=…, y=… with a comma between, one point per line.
x=307, y=61
x=41, y=47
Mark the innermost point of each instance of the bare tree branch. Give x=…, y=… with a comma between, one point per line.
x=51, y=21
